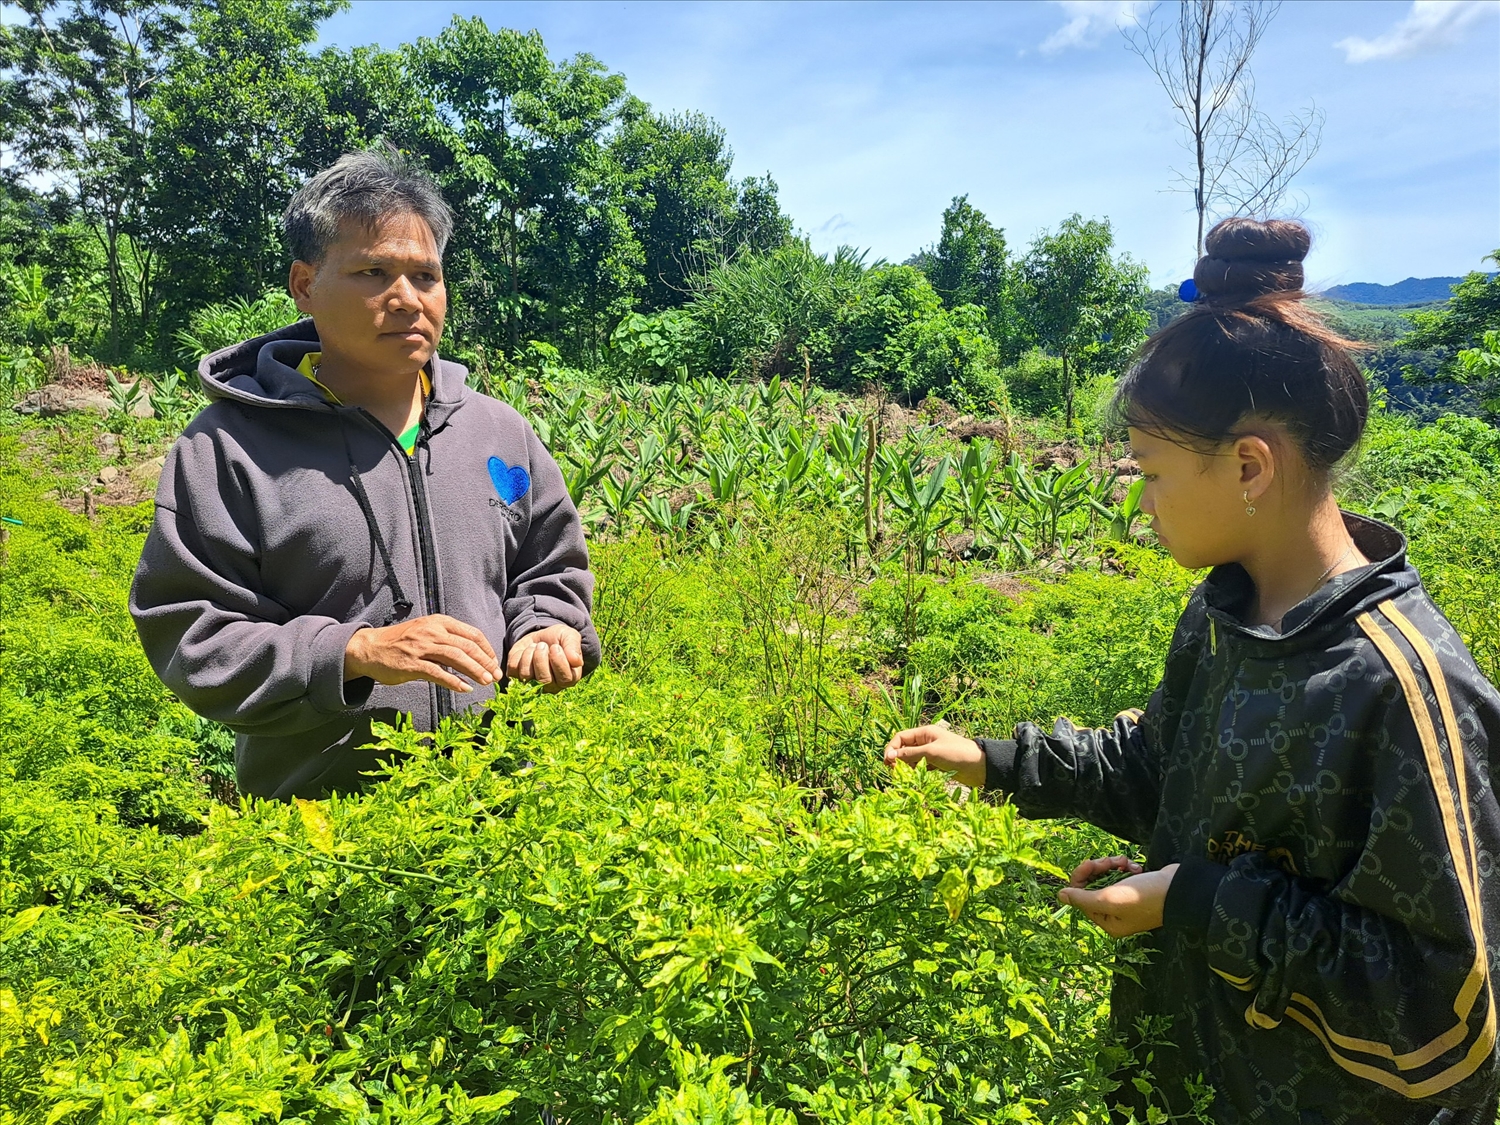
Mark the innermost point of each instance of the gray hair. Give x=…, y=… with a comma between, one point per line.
x=362, y=187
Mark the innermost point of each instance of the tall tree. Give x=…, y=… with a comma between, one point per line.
x=686, y=211
x=1078, y=302
x=677, y=194
x=968, y=265
x=74, y=91
x=228, y=118
x=518, y=145
x=1243, y=161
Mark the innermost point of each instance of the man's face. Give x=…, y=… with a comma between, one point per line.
x=377, y=297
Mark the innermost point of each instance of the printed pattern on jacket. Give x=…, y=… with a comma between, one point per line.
x=1326, y=950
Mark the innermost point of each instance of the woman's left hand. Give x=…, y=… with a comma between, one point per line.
x=1131, y=906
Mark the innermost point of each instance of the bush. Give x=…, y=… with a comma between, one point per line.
x=1035, y=384
x=950, y=355
x=755, y=315
x=652, y=348
x=218, y=326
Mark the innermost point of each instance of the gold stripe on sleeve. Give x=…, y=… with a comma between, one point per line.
x=1465, y=866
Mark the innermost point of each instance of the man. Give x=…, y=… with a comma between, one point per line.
x=348, y=532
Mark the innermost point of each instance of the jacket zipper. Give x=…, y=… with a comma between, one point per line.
x=428, y=560
x=429, y=556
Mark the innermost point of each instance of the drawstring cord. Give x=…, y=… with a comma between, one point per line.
x=402, y=605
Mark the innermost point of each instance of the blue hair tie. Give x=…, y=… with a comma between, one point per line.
x=1187, y=291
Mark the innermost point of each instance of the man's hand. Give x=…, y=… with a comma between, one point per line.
x=1130, y=906
x=436, y=648
x=552, y=656
x=941, y=749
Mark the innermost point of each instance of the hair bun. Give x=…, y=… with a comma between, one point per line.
x=1248, y=259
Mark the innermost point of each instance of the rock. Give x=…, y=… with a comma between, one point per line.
x=53, y=400
x=109, y=474
x=1126, y=465
x=109, y=445
x=72, y=398
x=147, y=473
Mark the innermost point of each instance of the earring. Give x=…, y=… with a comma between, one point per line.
x=1249, y=507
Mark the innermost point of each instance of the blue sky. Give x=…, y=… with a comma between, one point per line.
x=871, y=117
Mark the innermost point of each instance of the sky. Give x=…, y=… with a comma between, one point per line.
x=871, y=117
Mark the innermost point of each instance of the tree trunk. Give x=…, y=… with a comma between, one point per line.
x=1067, y=390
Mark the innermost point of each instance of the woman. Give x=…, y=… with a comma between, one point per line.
x=1311, y=777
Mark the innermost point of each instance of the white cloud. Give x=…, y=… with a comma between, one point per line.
x=1089, y=21
x=1429, y=25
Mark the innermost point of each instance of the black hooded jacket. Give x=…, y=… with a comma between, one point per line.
x=1326, y=790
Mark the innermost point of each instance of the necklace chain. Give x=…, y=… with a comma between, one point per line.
x=1349, y=550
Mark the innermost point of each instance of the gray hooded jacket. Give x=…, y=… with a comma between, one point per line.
x=284, y=524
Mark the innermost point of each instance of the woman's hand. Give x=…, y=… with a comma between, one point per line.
x=1131, y=906
x=941, y=749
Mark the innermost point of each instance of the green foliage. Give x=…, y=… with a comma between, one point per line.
x=220, y=325
x=1461, y=329
x=759, y=315
x=654, y=347
x=951, y=355
x=38, y=315
x=1079, y=303
x=968, y=266
x=686, y=887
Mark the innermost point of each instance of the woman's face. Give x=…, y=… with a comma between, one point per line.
x=1195, y=500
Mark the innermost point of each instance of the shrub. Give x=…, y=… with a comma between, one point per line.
x=220, y=325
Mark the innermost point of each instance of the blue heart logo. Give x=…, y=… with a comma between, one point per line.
x=511, y=481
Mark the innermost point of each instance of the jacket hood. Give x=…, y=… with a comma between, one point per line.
x=263, y=372
x=1228, y=591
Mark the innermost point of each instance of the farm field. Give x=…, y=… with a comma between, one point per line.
x=684, y=891
x=828, y=495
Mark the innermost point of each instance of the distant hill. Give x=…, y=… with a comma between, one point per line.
x=1412, y=291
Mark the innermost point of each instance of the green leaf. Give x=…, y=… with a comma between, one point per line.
x=22, y=922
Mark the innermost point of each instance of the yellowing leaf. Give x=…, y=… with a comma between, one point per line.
x=22, y=922
x=953, y=889
x=317, y=826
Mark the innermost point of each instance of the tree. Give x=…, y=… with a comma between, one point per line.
x=968, y=266
x=228, y=118
x=73, y=101
x=1079, y=303
x=1243, y=161
x=678, y=197
x=518, y=144
x=1464, y=329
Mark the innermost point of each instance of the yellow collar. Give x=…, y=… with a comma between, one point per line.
x=309, y=369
